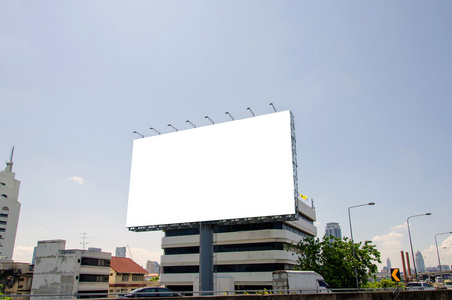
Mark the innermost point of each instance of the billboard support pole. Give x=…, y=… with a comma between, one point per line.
x=206, y=259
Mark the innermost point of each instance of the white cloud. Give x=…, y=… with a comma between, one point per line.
x=444, y=251
x=76, y=179
x=401, y=226
x=23, y=254
x=389, y=245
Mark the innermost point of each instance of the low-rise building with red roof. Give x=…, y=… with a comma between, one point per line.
x=125, y=275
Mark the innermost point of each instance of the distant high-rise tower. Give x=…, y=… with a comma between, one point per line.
x=120, y=252
x=9, y=209
x=152, y=266
x=388, y=265
x=420, y=265
x=333, y=229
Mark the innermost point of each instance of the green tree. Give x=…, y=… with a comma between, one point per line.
x=333, y=259
x=386, y=284
x=1, y=295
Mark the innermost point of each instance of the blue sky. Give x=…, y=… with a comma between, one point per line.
x=367, y=82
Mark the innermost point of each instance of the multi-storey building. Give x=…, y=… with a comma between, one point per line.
x=333, y=229
x=16, y=278
x=9, y=210
x=69, y=274
x=120, y=252
x=247, y=253
x=126, y=275
x=152, y=267
x=420, y=264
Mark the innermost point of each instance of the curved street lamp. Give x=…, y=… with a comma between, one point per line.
x=437, y=252
x=351, y=235
x=411, y=244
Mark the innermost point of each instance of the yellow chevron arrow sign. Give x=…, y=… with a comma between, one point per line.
x=395, y=274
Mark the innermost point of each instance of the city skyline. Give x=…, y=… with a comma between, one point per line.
x=368, y=85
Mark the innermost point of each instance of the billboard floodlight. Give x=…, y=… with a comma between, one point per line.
x=175, y=129
x=142, y=136
x=188, y=121
x=227, y=113
x=211, y=121
x=271, y=104
x=251, y=111
x=152, y=128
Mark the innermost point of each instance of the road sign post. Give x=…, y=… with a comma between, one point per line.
x=395, y=276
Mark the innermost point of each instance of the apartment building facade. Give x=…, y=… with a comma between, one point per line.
x=16, y=278
x=247, y=253
x=69, y=273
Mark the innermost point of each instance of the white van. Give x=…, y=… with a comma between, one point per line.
x=299, y=282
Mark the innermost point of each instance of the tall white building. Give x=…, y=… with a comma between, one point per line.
x=10, y=209
x=420, y=264
x=247, y=253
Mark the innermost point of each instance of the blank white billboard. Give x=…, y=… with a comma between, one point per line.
x=236, y=169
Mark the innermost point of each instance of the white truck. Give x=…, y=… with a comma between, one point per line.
x=299, y=282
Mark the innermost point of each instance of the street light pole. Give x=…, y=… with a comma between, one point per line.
x=351, y=235
x=411, y=244
x=437, y=252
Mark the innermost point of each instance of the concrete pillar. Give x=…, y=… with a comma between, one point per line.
x=206, y=259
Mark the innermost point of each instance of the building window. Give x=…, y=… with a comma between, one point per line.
x=88, y=261
x=4, y=195
x=227, y=228
x=2, y=183
x=137, y=277
x=229, y=268
x=2, y=229
x=125, y=277
x=5, y=209
x=3, y=215
x=93, y=278
x=92, y=294
x=2, y=222
x=228, y=248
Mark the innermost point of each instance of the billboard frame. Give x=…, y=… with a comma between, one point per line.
x=250, y=220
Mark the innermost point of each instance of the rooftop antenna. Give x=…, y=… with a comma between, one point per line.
x=12, y=154
x=9, y=164
x=227, y=113
x=251, y=111
x=209, y=119
x=152, y=128
x=175, y=129
x=188, y=121
x=142, y=136
x=273, y=106
x=83, y=242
